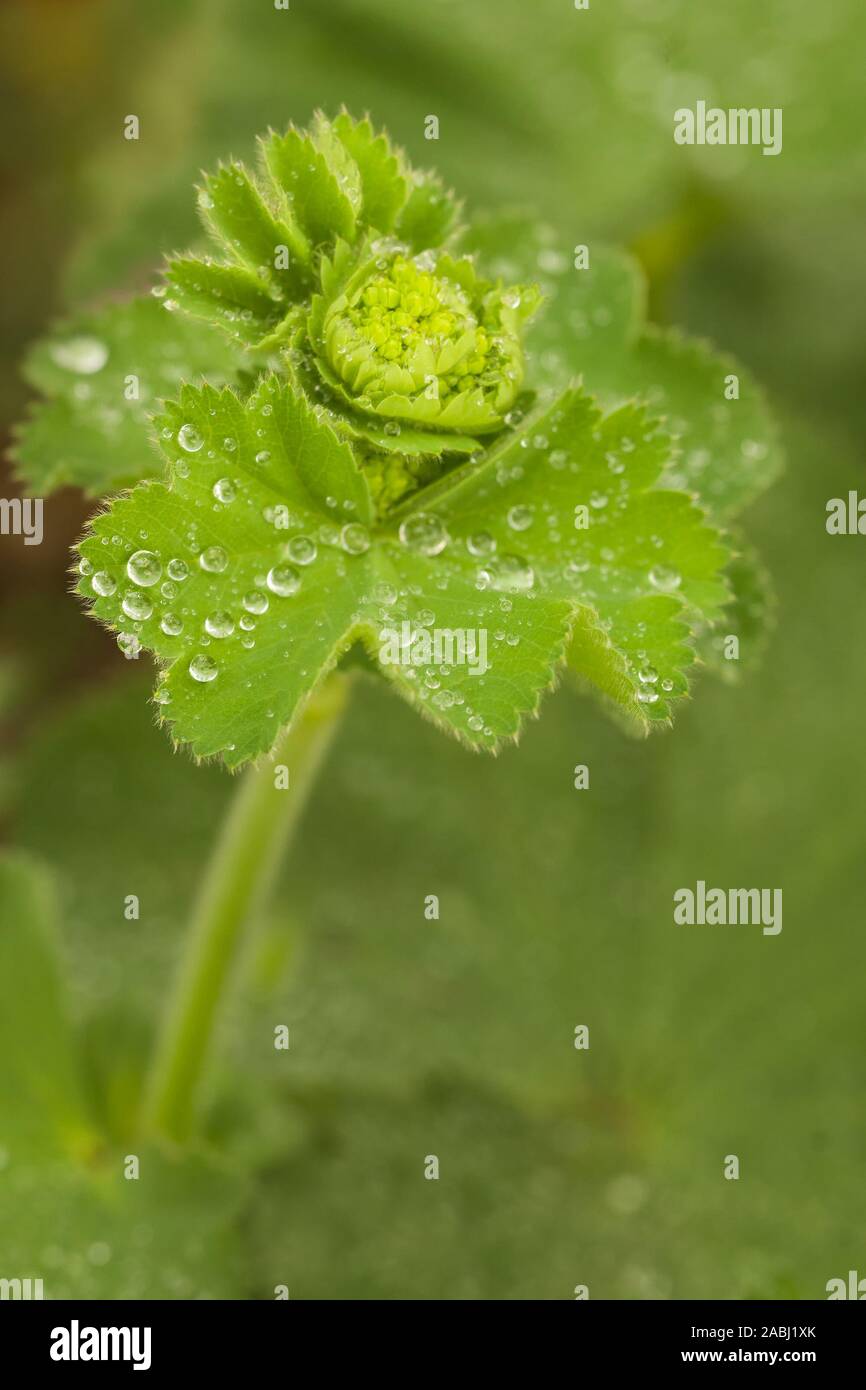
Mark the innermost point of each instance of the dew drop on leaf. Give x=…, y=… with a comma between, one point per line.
x=214, y=559
x=424, y=533
x=144, y=568
x=385, y=593
x=284, y=580
x=355, y=538
x=189, y=438
x=665, y=579
x=224, y=490
x=203, y=668
x=103, y=584
x=219, y=624
x=171, y=624
x=510, y=572
x=255, y=601
x=84, y=355
x=302, y=550
x=136, y=606
x=178, y=570
x=519, y=518
x=481, y=544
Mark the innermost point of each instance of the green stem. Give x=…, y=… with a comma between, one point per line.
x=245, y=858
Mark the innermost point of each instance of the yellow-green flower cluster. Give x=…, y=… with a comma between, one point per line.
x=410, y=315
x=422, y=342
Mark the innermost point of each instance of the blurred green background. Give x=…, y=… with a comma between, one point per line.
x=558, y=1167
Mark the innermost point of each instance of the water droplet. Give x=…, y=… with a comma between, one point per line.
x=136, y=606
x=262, y=456
x=171, y=624
x=476, y=723
x=598, y=500
x=424, y=533
x=103, y=584
x=214, y=559
x=178, y=570
x=302, y=550
x=648, y=675
x=203, y=668
x=284, y=580
x=128, y=644
x=162, y=695
x=84, y=355
x=647, y=697
x=189, y=438
x=144, y=568
x=84, y=567
x=225, y=491
x=481, y=545
x=520, y=518
x=511, y=299
x=255, y=601
x=667, y=685
x=510, y=572
x=385, y=593
x=661, y=577
x=219, y=624
x=355, y=538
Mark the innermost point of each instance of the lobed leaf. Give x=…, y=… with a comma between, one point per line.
x=263, y=612
x=592, y=326
x=383, y=185
x=575, y=501
x=89, y=431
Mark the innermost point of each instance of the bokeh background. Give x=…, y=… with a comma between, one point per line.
x=558, y=1167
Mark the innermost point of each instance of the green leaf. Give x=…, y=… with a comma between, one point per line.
x=87, y=432
x=92, y=1233
x=264, y=612
x=643, y=569
x=749, y=618
x=430, y=213
x=310, y=192
x=592, y=326
x=42, y=1106
x=730, y=448
x=233, y=208
x=227, y=295
x=338, y=157
x=382, y=183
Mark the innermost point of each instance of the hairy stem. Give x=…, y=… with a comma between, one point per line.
x=253, y=839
